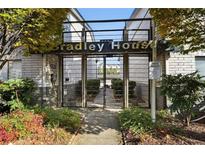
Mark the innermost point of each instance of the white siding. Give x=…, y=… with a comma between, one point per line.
x=15, y=69
x=32, y=67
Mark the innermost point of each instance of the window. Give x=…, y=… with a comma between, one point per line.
x=200, y=64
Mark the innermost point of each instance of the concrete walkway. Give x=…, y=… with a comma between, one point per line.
x=101, y=127
x=111, y=102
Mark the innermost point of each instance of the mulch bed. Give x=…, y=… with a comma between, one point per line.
x=194, y=134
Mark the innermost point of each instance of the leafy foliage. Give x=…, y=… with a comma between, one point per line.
x=21, y=89
x=185, y=28
x=15, y=92
x=33, y=30
x=63, y=118
x=117, y=85
x=25, y=127
x=92, y=86
x=19, y=125
x=136, y=119
x=185, y=92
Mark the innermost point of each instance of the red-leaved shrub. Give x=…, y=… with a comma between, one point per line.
x=19, y=125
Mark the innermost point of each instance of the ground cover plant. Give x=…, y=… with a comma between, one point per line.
x=63, y=118
x=45, y=126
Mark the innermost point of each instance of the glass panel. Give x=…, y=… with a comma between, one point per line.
x=95, y=81
x=138, y=80
x=72, y=81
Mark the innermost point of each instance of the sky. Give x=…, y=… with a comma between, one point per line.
x=106, y=13
x=102, y=14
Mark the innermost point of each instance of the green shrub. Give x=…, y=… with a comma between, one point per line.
x=135, y=119
x=64, y=118
x=118, y=86
x=92, y=85
x=185, y=92
x=162, y=114
x=132, y=85
x=21, y=89
x=15, y=104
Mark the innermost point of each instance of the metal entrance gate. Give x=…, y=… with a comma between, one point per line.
x=106, y=78
x=71, y=81
x=105, y=81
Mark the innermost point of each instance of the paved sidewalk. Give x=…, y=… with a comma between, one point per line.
x=100, y=128
x=111, y=102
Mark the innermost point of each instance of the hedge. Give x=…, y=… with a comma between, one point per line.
x=92, y=86
x=117, y=86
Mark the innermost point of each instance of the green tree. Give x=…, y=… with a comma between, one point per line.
x=30, y=30
x=184, y=28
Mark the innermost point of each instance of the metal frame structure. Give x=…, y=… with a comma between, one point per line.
x=125, y=32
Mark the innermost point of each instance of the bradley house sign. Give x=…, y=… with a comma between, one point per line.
x=119, y=46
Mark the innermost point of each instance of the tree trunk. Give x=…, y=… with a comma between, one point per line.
x=3, y=63
x=188, y=119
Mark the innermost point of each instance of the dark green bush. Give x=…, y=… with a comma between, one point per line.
x=185, y=92
x=64, y=118
x=21, y=89
x=137, y=120
x=118, y=86
x=132, y=85
x=14, y=93
x=92, y=85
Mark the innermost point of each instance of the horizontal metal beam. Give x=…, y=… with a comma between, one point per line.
x=105, y=53
x=107, y=30
x=110, y=20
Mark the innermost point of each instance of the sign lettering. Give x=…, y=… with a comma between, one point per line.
x=114, y=46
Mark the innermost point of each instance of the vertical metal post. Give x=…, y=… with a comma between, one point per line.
x=60, y=81
x=44, y=90
x=84, y=76
x=153, y=82
x=150, y=59
x=8, y=70
x=104, y=81
x=126, y=79
x=126, y=72
x=84, y=70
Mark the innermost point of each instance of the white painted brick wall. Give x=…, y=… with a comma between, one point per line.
x=178, y=63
